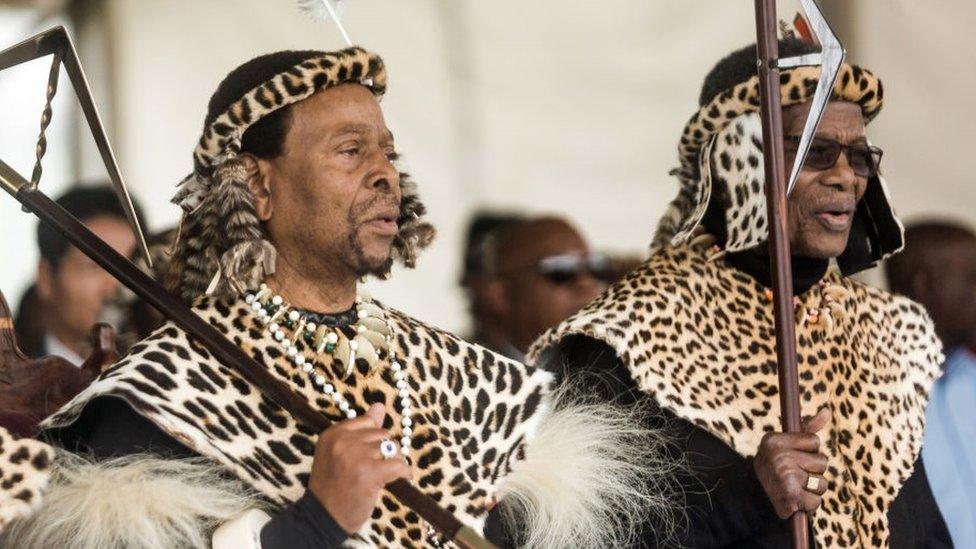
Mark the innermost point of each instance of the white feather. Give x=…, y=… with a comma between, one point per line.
x=139, y=502
x=592, y=477
x=324, y=10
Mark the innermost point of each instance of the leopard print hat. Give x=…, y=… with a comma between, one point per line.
x=721, y=151
x=221, y=248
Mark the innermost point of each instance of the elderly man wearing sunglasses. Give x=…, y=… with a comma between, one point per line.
x=690, y=333
x=540, y=271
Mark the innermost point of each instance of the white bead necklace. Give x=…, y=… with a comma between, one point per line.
x=371, y=343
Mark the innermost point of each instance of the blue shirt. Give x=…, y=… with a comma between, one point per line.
x=949, y=446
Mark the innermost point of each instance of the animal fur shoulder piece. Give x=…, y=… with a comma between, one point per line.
x=24, y=472
x=475, y=417
x=699, y=337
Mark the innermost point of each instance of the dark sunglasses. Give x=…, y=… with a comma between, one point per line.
x=823, y=154
x=568, y=268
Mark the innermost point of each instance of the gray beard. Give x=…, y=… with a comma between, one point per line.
x=364, y=265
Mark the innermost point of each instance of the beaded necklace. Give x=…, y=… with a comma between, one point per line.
x=314, y=348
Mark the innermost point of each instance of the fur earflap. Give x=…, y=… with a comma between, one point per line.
x=223, y=262
x=593, y=476
x=194, y=260
x=247, y=258
x=191, y=192
x=133, y=502
x=244, y=266
x=415, y=232
x=675, y=216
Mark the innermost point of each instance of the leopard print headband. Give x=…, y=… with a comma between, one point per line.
x=221, y=248
x=722, y=145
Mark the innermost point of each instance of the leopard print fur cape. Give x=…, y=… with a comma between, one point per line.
x=698, y=336
x=474, y=413
x=25, y=468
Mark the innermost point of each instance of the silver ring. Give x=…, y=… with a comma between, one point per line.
x=813, y=483
x=388, y=449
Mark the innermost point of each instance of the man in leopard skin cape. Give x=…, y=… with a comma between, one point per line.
x=692, y=330
x=294, y=197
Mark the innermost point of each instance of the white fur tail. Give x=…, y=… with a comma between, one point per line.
x=592, y=477
x=139, y=502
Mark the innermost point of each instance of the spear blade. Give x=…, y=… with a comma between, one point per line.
x=57, y=42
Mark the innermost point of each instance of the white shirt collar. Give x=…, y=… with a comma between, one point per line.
x=53, y=346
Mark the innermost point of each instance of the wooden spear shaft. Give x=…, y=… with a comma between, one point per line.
x=779, y=243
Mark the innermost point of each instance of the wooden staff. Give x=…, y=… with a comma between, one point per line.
x=779, y=243
x=222, y=348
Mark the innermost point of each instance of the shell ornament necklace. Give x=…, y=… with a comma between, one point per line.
x=322, y=351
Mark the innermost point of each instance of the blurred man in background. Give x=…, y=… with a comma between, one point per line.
x=486, y=327
x=71, y=289
x=29, y=322
x=539, y=271
x=938, y=269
